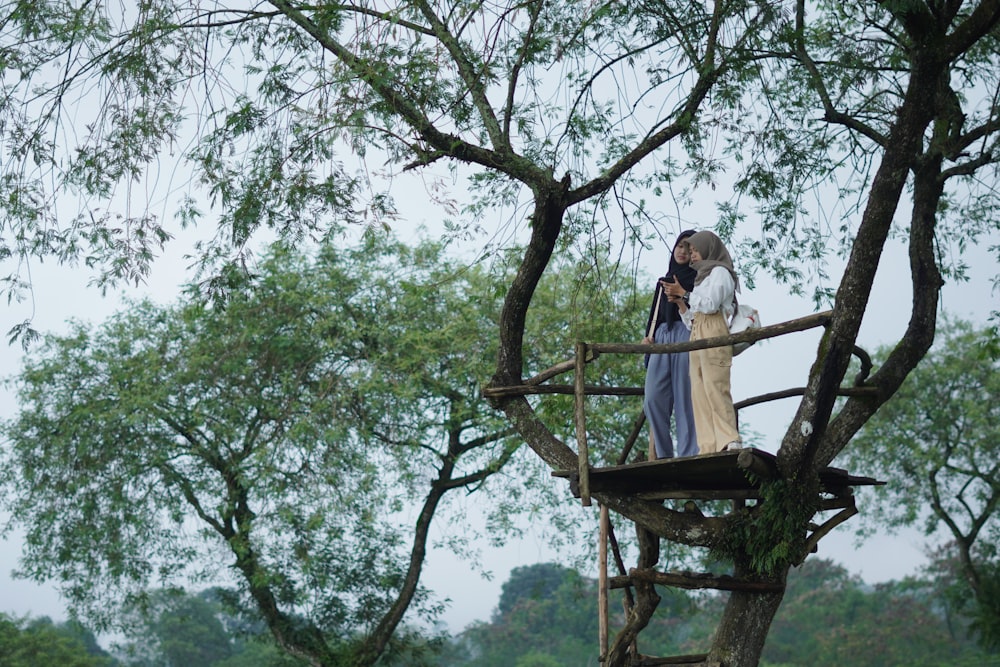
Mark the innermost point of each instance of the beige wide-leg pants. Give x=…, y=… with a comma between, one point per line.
x=714, y=415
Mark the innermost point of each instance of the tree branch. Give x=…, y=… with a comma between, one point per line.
x=513, y=165
x=515, y=71
x=708, y=74
x=816, y=78
x=474, y=81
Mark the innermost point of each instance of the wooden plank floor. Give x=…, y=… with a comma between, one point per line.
x=708, y=476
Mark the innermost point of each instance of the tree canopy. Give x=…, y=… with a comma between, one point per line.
x=28, y=643
x=302, y=437
x=259, y=103
x=938, y=440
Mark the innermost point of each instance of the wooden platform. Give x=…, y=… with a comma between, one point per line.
x=723, y=475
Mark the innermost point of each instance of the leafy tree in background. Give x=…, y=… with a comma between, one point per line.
x=865, y=101
x=547, y=611
x=831, y=618
x=304, y=436
x=938, y=441
x=196, y=630
x=191, y=634
x=25, y=643
x=175, y=628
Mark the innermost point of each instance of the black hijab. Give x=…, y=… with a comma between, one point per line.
x=685, y=275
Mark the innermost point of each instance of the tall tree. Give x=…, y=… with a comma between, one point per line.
x=181, y=629
x=544, y=610
x=310, y=430
x=908, y=91
x=906, y=97
x=938, y=439
x=829, y=618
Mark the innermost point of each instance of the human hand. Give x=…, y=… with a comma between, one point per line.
x=674, y=289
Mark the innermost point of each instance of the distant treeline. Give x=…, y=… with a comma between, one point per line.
x=545, y=617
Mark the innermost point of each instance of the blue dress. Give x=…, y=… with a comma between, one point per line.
x=668, y=393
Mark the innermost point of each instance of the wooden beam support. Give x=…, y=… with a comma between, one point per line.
x=602, y=582
x=696, y=660
x=558, y=369
x=581, y=425
x=589, y=390
x=840, y=517
x=725, y=494
x=594, y=350
x=748, y=336
x=604, y=390
x=694, y=581
x=756, y=465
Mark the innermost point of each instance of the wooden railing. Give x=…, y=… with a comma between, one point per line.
x=588, y=352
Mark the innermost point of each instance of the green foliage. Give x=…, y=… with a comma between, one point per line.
x=812, y=126
x=173, y=627
x=299, y=429
x=545, y=610
x=525, y=96
x=548, y=612
x=770, y=536
x=259, y=108
x=184, y=630
x=25, y=643
x=830, y=618
x=985, y=616
x=937, y=438
x=967, y=590
x=936, y=443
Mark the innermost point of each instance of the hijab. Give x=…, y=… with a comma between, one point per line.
x=713, y=253
x=685, y=275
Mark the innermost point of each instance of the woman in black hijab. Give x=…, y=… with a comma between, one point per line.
x=668, y=380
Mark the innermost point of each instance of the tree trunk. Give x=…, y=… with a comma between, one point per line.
x=739, y=639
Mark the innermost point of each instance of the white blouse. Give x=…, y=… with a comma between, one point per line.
x=714, y=292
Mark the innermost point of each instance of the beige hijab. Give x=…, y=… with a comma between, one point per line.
x=713, y=253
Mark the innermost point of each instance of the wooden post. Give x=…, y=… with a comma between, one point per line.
x=581, y=424
x=602, y=585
